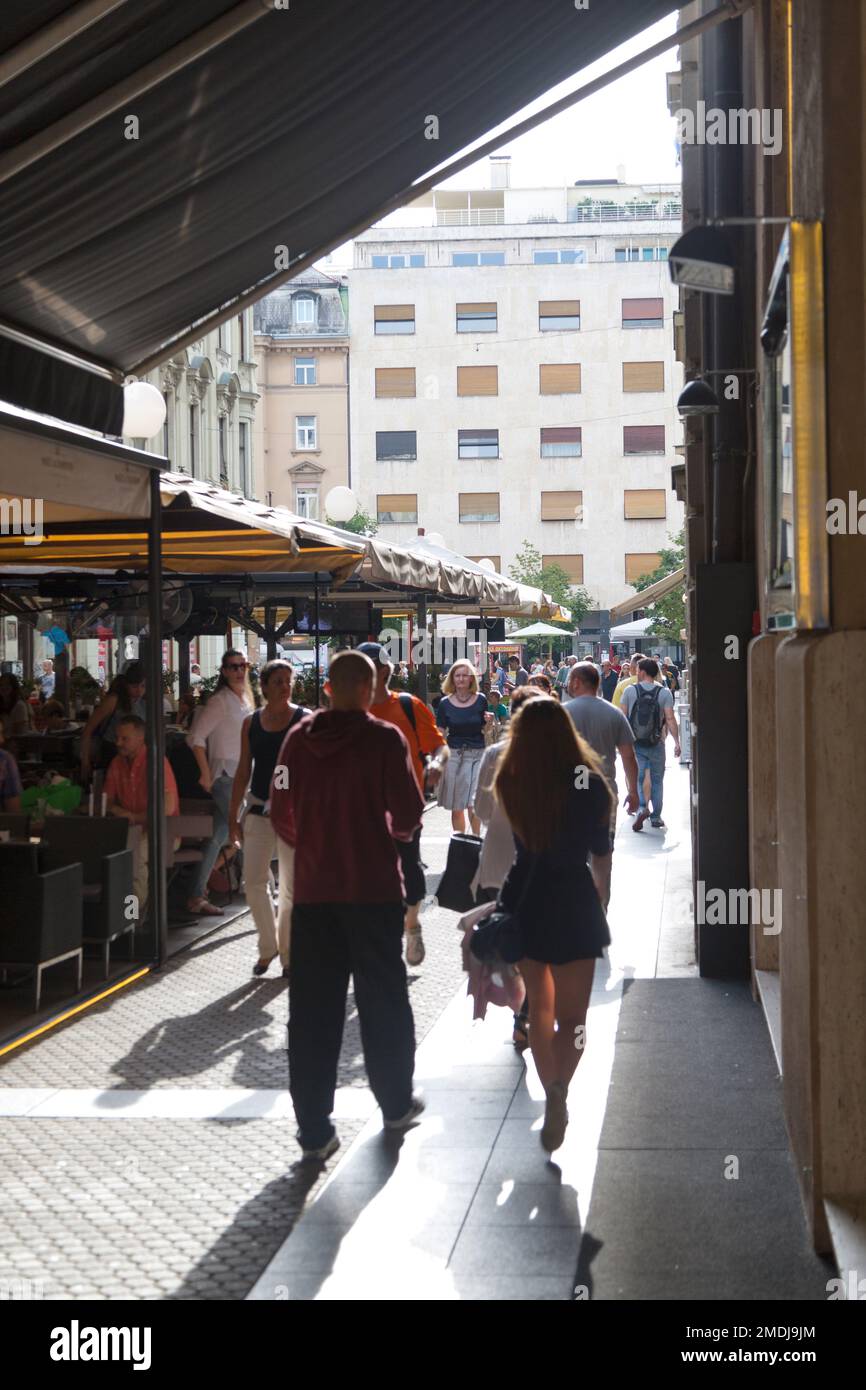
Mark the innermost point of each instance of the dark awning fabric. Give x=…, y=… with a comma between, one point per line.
x=289, y=133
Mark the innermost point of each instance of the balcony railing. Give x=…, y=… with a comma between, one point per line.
x=470, y=217
x=634, y=212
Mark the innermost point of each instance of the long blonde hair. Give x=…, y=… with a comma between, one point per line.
x=447, y=686
x=537, y=770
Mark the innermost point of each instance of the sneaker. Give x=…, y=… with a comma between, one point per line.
x=415, y=952
x=415, y=1109
x=555, y=1117
x=658, y=823
x=323, y=1153
x=639, y=819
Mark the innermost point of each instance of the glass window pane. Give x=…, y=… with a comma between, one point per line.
x=545, y=257
x=379, y=262
x=568, y=449
x=418, y=260
x=464, y=258
x=559, y=322
x=397, y=444
x=619, y=253
x=394, y=326
x=493, y=258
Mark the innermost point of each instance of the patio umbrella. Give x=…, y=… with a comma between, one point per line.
x=539, y=630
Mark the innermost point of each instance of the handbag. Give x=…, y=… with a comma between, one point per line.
x=501, y=934
x=455, y=885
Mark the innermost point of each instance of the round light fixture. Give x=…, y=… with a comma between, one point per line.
x=697, y=398
x=487, y=565
x=435, y=539
x=143, y=410
x=341, y=504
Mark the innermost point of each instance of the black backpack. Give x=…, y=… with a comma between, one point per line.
x=646, y=716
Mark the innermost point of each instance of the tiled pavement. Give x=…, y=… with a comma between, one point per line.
x=133, y=1166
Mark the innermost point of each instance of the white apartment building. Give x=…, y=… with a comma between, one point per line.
x=512, y=376
x=210, y=396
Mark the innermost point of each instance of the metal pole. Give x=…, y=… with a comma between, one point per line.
x=155, y=729
x=316, y=633
x=183, y=665
x=422, y=664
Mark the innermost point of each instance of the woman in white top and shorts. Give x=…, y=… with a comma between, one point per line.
x=215, y=740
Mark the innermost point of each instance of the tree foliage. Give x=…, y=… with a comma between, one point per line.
x=361, y=524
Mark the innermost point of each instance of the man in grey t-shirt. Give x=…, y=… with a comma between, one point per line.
x=651, y=754
x=608, y=732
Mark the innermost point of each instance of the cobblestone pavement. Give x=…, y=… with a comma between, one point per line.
x=183, y=1208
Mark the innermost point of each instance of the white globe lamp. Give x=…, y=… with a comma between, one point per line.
x=341, y=504
x=435, y=539
x=143, y=410
x=487, y=565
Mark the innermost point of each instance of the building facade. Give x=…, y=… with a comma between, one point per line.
x=302, y=427
x=211, y=397
x=512, y=376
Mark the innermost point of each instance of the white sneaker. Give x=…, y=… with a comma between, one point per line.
x=415, y=951
x=320, y=1155
x=417, y=1108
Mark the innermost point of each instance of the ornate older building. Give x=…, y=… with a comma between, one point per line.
x=211, y=395
x=302, y=428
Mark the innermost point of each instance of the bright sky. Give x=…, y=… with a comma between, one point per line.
x=627, y=123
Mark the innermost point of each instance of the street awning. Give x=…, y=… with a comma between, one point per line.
x=622, y=611
x=163, y=158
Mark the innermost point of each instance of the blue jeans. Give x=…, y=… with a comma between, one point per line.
x=654, y=759
x=222, y=795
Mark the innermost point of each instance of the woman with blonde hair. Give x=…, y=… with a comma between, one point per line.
x=558, y=803
x=462, y=714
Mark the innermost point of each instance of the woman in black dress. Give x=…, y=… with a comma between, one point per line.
x=558, y=802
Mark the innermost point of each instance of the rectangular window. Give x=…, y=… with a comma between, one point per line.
x=398, y=445
x=559, y=379
x=643, y=439
x=661, y=253
x=305, y=432
x=478, y=258
x=414, y=260
x=642, y=313
x=644, y=503
x=561, y=442
x=392, y=382
x=636, y=566
x=572, y=564
x=224, y=337
x=479, y=506
x=478, y=444
x=477, y=381
x=244, y=457
x=562, y=506
x=224, y=458
x=242, y=337
x=558, y=315
x=307, y=503
x=476, y=318
x=305, y=371
x=559, y=257
x=417, y=260
x=619, y=253
x=396, y=507
x=193, y=441
x=643, y=376
x=496, y=560
x=646, y=253
x=304, y=306
x=394, y=318
x=167, y=423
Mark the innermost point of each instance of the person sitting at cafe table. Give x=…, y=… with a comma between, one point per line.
x=125, y=696
x=14, y=714
x=126, y=794
x=52, y=717
x=10, y=781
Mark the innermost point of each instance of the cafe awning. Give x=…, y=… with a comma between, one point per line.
x=163, y=158
x=622, y=611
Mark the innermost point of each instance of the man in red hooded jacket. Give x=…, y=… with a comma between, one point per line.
x=343, y=790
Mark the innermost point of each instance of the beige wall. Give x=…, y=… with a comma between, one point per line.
x=282, y=401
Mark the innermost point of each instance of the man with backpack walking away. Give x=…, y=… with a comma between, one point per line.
x=649, y=709
x=429, y=752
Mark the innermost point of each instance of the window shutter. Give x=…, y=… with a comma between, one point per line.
x=572, y=564
x=395, y=381
x=636, y=566
x=397, y=502
x=561, y=434
x=643, y=376
x=644, y=502
x=476, y=308
x=393, y=313
x=642, y=309
x=643, y=439
x=559, y=308
x=559, y=378
x=478, y=381
x=472, y=503
x=561, y=506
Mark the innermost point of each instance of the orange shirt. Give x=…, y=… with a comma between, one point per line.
x=126, y=783
x=426, y=737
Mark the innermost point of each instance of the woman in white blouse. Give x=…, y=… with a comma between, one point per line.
x=215, y=739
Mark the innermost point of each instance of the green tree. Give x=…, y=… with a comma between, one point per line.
x=668, y=614
x=361, y=524
x=529, y=568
